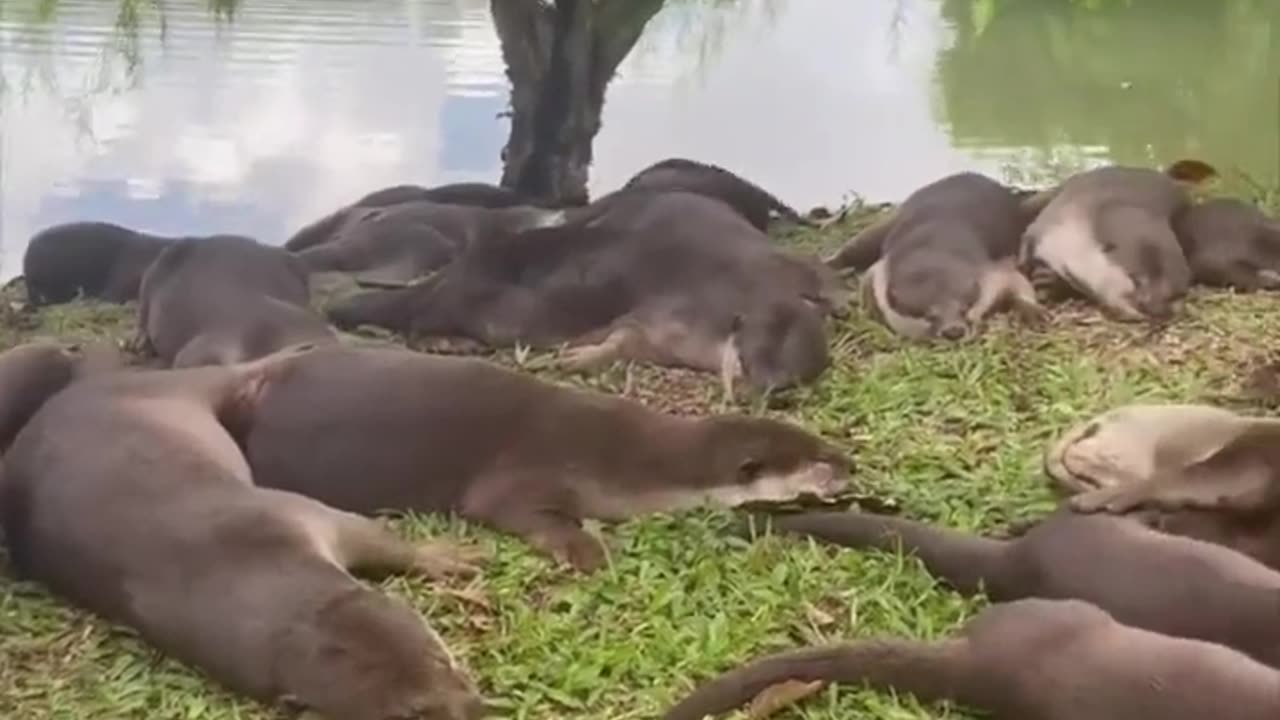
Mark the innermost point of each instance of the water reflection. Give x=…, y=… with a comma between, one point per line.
x=1138, y=81
x=261, y=122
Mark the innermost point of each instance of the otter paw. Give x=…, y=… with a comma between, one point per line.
x=438, y=560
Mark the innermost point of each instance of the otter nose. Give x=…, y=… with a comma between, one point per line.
x=952, y=332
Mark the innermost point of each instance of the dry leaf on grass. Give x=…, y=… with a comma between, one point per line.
x=778, y=697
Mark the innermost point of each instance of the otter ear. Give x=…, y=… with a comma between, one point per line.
x=749, y=470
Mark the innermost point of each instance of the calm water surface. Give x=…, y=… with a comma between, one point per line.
x=259, y=125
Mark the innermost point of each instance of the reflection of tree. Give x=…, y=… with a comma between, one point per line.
x=1149, y=80
x=560, y=58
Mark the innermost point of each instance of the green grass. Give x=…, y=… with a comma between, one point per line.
x=951, y=434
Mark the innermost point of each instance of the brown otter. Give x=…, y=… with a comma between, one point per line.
x=395, y=244
x=29, y=375
x=755, y=204
x=668, y=278
x=1230, y=243
x=397, y=241
x=1163, y=583
x=1136, y=443
x=1107, y=234
x=1032, y=659
x=96, y=260
x=225, y=299
x=371, y=430
x=944, y=259
x=127, y=495
x=1207, y=461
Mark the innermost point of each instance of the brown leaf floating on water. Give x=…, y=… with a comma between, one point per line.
x=775, y=698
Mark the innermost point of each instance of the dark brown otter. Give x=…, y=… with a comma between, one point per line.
x=1166, y=584
x=394, y=244
x=755, y=204
x=1230, y=243
x=126, y=494
x=225, y=299
x=95, y=260
x=666, y=278
x=478, y=196
x=1031, y=659
x=371, y=430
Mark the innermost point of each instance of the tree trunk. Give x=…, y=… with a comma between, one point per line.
x=560, y=58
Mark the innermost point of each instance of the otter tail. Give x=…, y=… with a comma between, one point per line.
x=930, y=671
x=964, y=561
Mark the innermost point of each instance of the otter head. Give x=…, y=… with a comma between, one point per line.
x=32, y=373
x=781, y=344
x=368, y=657
x=1147, y=251
x=750, y=459
x=927, y=299
x=1159, y=271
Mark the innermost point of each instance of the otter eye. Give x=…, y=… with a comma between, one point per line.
x=749, y=470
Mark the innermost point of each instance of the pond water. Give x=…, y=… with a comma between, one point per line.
x=261, y=123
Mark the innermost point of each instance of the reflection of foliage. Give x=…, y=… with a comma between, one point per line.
x=697, y=29
x=132, y=19
x=1143, y=81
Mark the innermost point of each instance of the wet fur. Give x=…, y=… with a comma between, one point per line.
x=1171, y=585
x=1027, y=660
x=225, y=299
x=369, y=430
x=127, y=495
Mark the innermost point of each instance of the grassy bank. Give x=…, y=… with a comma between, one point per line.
x=949, y=433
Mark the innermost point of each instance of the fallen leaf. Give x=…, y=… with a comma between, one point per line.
x=778, y=697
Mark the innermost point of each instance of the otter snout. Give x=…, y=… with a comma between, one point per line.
x=952, y=331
